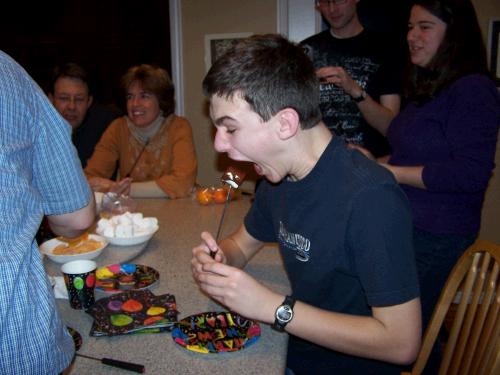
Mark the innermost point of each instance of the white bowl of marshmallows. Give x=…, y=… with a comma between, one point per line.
x=127, y=229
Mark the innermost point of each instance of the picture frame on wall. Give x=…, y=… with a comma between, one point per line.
x=494, y=49
x=217, y=44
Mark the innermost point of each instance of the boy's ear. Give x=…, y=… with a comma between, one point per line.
x=289, y=123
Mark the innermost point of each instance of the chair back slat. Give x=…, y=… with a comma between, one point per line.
x=473, y=345
x=493, y=364
x=489, y=339
x=439, y=314
x=459, y=317
x=492, y=354
x=477, y=309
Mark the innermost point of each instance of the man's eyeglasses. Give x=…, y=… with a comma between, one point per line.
x=323, y=3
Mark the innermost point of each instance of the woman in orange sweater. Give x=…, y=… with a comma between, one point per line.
x=153, y=147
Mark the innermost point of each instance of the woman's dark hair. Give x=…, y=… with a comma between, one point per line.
x=270, y=73
x=462, y=51
x=154, y=80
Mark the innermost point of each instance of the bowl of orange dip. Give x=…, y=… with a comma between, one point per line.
x=62, y=250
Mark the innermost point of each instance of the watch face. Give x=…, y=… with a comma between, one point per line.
x=284, y=314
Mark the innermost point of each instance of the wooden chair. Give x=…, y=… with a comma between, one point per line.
x=473, y=345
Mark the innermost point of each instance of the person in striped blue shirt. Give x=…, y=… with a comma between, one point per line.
x=40, y=174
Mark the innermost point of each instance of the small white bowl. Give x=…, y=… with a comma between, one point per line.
x=130, y=241
x=47, y=247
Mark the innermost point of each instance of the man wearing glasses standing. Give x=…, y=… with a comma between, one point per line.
x=359, y=76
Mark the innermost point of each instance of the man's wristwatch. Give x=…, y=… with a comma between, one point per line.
x=283, y=314
x=361, y=97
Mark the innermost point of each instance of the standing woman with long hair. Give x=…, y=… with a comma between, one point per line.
x=443, y=142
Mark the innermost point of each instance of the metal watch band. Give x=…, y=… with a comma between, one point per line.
x=288, y=303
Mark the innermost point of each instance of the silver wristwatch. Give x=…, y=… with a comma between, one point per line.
x=283, y=314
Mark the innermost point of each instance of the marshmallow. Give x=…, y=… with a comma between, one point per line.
x=126, y=225
x=124, y=230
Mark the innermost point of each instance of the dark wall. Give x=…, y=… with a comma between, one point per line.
x=385, y=15
x=104, y=36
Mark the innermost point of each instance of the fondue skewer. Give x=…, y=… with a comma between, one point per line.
x=233, y=178
x=137, y=159
x=77, y=339
x=228, y=197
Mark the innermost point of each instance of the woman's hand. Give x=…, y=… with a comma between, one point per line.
x=121, y=187
x=100, y=184
x=105, y=185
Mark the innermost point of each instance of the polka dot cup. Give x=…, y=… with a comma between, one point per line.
x=79, y=277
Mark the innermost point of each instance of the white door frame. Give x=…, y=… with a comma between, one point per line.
x=297, y=19
x=176, y=54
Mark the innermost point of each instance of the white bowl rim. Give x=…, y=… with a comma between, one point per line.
x=48, y=246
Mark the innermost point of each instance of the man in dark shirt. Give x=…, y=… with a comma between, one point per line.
x=70, y=94
x=359, y=72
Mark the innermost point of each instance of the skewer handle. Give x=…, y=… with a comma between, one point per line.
x=124, y=365
x=116, y=363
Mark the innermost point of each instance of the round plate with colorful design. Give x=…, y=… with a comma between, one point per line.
x=216, y=332
x=116, y=278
